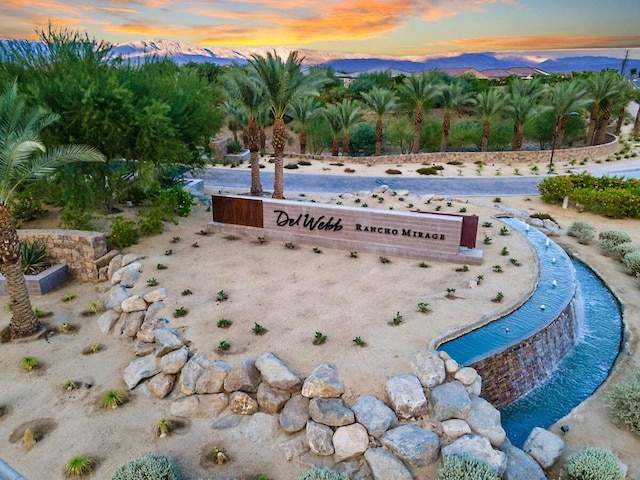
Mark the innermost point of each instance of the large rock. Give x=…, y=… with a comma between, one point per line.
x=323, y=382
x=416, y=446
x=134, y=304
x=161, y=384
x=107, y=320
x=406, y=396
x=105, y=259
x=276, y=373
x=168, y=341
x=476, y=387
x=484, y=419
x=294, y=447
x=146, y=333
x=450, y=400
x=520, y=466
x=330, y=411
x=376, y=417
x=294, y=414
x=349, y=441
x=429, y=368
x=242, y=403
x=319, y=438
x=191, y=372
x=129, y=258
x=117, y=295
x=544, y=446
x=477, y=447
x=245, y=377
x=152, y=310
x=131, y=323
x=126, y=271
x=156, y=295
x=385, y=466
x=202, y=406
x=271, y=399
x=130, y=277
x=466, y=375
x=454, y=428
x=141, y=368
x=212, y=379
x=115, y=264
x=173, y=362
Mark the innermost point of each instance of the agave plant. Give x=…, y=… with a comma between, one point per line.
x=34, y=257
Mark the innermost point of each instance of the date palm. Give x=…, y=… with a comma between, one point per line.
x=487, y=105
x=522, y=106
x=601, y=87
x=625, y=95
x=303, y=111
x=23, y=158
x=349, y=115
x=283, y=83
x=417, y=91
x=636, y=122
x=453, y=97
x=332, y=116
x=381, y=101
x=565, y=98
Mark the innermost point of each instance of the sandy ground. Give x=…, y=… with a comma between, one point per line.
x=293, y=293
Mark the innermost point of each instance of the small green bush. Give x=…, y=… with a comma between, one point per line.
x=151, y=221
x=76, y=219
x=323, y=474
x=592, y=464
x=466, y=468
x=582, y=231
x=631, y=262
x=622, y=249
x=149, y=467
x=610, y=238
x=624, y=400
x=24, y=207
x=124, y=233
x=429, y=170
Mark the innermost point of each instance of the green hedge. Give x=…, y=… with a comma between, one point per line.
x=592, y=464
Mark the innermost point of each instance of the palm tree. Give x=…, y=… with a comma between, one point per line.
x=332, y=116
x=522, y=106
x=625, y=95
x=381, y=101
x=304, y=110
x=417, y=91
x=283, y=83
x=488, y=104
x=23, y=158
x=237, y=116
x=601, y=87
x=349, y=115
x=565, y=98
x=453, y=97
x=636, y=123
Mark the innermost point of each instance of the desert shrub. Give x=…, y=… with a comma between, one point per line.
x=234, y=147
x=34, y=257
x=428, y=171
x=124, y=233
x=631, y=262
x=624, y=400
x=76, y=219
x=323, y=474
x=622, y=249
x=466, y=468
x=149, y=467
x=592, y=464
x=554, y=189
x=582, y=231
x=291, y=166
x=151, y=221
x=24, y=207
x=610, y=238
x=173, y=200
x=362, y=140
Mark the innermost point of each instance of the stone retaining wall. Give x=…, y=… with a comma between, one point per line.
x=517, y=370
x=79, y=249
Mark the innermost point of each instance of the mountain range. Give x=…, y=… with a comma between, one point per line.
x=351, y=62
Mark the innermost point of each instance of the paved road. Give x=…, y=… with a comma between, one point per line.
x=321, y=183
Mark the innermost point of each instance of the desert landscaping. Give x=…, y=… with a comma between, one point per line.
x=294, y=294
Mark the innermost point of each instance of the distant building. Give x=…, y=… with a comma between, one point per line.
x=526, y=73
x=460, y=71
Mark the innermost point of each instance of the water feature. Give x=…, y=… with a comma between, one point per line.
x=596, y=331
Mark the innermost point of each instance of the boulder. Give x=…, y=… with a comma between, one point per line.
x=476, y=387
x=544, y=446
x=132, y=269
x=107, y=320
x=477, y=447
x=242, y=403
x=276, y=373
x=451, y=366
x=146, y=332
x=385, y=466
x=520, y=466
x=191, y=372
x=374, y=415
x=156, y=295
x=173, y=362
x=349, y=441
x=152, y=310
x=429, y=368
x=320, y=438
x=105, y=259
x=115, y=264
x=131, y=323
x=330, y=411
x=484, y=419
x=212, y=379
x=202, y=406
x=294, y=447
x=450, y=400
x=454, y=428
x=323, y=382
x=228, y=421
x=168, y=341
x=161, y=384
x=141, y=368
x=134, y=304
x=142, y=349
x=130, y=258
x=466, y=375
x=117, y=295
x=294, y=414
x=416, y=446
x=129, y=277
x=406, y=396
x=245, y=377
x=271, y=399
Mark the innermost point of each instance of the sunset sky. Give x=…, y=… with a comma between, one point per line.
x=383, y=27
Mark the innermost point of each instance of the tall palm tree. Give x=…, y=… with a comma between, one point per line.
x=283, y=84
x=381, y=101
x=332, y=116
x=625, y=95
x=23, y=158
x=565, y=98
x=522, y=106
x=303, y=111
x=636, y=123
x=487, y=104
x=237, y=116
x=452, y=97
x=601, y=87
x=417, y=91
x=349, y=115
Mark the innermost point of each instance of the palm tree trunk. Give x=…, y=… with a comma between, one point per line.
x=603, y=123
x=517, y=138
x=23, y=321
x=562, y=127
x=345, y=144
x=303, y=141
x=636, y=125
x=379, y=137
x=486, y=129
x=335, y=146
x=417, y=127
x=263, y=139
x=446, y=128
x=253, y=141
x=620, y=120
x=593, y=117
x=278, y=151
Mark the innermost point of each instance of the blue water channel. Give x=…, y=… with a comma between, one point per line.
x=583, y=370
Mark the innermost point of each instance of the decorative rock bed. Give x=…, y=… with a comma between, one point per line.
x=433, y=412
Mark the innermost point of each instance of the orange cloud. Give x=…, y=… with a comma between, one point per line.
x=547, y=42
